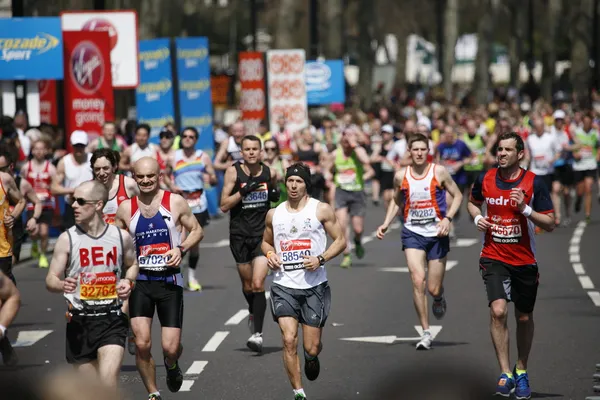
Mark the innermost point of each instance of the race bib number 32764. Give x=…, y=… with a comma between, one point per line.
x=98, y=286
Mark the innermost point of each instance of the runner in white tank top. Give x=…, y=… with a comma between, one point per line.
x=295, y=242
x=87, y=267
x=140, y=149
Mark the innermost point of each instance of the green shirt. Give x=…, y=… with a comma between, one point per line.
x=477, y=146
x=348, y=171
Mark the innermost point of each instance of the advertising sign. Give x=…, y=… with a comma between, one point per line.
x=31, y=48
x=122, y=30
x=220, y=89
x=252, y=80
x=287, y=89
x=154, y=95
x=325, y=82
x=88, y=88
x=48, y=109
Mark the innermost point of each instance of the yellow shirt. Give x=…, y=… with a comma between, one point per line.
x=6, y=237
x=265, y=137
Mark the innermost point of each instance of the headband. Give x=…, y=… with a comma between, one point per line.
x=301, y=172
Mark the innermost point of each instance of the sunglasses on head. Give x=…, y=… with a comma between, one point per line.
x=81, y=201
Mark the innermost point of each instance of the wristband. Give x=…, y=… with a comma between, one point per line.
x=270, y=253
x=477, y=218
x=527, y=211
x=3, y=330
x=131, y=284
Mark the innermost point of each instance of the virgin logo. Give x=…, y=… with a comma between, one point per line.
x=103, y=25
x=286, y=245
x=88, y=278
x=87, y=67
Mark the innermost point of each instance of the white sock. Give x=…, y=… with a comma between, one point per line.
x=191, y=274
x=156, y=393
x=299, y=391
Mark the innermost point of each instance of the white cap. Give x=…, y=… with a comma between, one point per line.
x=425, y=122
x=79, y=137
x=559, y=114
x=387, y=128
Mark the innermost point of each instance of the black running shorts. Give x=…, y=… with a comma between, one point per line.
x=46, y=217
x=203, y=218
x=245, y=248
x=160, y=295
x=85, y=335
x=308, y=306
x=516, y=284
x=6, y=267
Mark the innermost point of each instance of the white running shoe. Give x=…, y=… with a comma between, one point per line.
x=425, y=342
x=255, y=342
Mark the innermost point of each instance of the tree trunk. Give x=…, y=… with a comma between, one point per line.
x=334, y=29
x=553, y=10
x=485, y=30
x=366, y=54
x=286, y=21
x=581, y=22
x=515, y=44
x=450, y=38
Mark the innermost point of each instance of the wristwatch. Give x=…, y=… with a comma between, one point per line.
x=448, y=218
x=183, y=252
x=321, y=260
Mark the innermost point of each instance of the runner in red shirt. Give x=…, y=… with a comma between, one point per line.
x=516, y=201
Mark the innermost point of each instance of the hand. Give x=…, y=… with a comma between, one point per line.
x=274, y=262
x=173, y=257
x=518, y=196
x=124, y=288
x=483, y=224
x=32, y=226
x=381, y=231
x=176, y=190
x=9, y=221
x=206, y=179
x=311, y=263
x=69, y=285
x=250, y=186
x=443, y=227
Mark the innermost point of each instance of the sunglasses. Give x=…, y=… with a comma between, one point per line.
x=270, y=149
x=81, y=201
x=189, y=137
x=168, y=135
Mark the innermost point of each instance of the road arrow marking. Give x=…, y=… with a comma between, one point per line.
x=29, y=338
x=465, y=242
x=434, y=329
x=449, y=265
x=372, y=339
x=220, y=243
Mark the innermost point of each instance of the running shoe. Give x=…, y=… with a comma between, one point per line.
x=438, y=308
x=299, y=396
x=347, y=261
x=9, y=356
x=131, y=342
x=359, y=249
x=35, y=251
x=312, y=368
x=43, y=261
x=194, y=286
x=174, y=377
x=588, y=219
x=251, y=323
x=506, y=386
x=154, y=397
x=255, y=342
x=425, y=342
x=522, y=390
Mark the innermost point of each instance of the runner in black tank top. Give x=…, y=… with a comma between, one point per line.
x=248, y=216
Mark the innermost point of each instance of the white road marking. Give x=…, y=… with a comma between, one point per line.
x=574, y=250
x=434, y=329
x=595, y=296
x=575, y=239
x=574, y=258
x=29, y=338
x=465, y=242
x=186, y=385
x=238, y=317
x=372, y=339
x=220, y=243
x=451, y=264
x=268, y=294
x=586, y=282
x=578, y=268
x=215, y=341
x=196, y=368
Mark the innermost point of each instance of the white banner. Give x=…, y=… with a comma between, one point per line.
x=287, y=89
x=122, y=30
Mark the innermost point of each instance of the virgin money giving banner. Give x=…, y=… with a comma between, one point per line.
x=48, y=109
x=325, y=82
x=287, y=89
x=252, y=80
x=154, y=95
x=88, y=86
x=122, y=29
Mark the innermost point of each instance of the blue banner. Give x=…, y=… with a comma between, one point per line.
x=31, y=48
x=154, y=95
x=325, y=82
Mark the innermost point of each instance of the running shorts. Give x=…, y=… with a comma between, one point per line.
x=6, y=267
x=564, y=174
x=511, y=283
x=245, y=248
x=581, y=175
x=85, y=335
x=203, y=218
x=308, y=306
x=160, y=291
x=435, y=248
x=46, y=217
x=355, y=202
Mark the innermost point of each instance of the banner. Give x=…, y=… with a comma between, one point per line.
x=287, y=89
x=193, y=81
x=32, y=48
x=154, y=95
x=325, y=82
x=88, y=87
x=220, y=85
x=252, y=80
x=122, y=30
x=48, y=109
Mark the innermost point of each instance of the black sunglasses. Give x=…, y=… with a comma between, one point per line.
x=81, y=201
x=167, y=135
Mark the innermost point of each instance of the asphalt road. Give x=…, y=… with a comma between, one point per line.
x=371, y=300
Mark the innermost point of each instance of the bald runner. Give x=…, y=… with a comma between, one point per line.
x=154, y=219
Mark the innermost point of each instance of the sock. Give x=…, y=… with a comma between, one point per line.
x=194, y=261
x=308, y=357
x=191, y=274
x=170, y=366
x=520, y=371
x=250, y=299
x=299, y=391
x=154, y=393
x=509, y=374
x=259, y=306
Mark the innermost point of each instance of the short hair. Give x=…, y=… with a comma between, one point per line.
x=275, y=142
x=512, y=135
x=252, y=138
x=418, y=137
x=191, y=128
x=9, y=152
x=143, y=126
x=109, y=123
x=112, y=156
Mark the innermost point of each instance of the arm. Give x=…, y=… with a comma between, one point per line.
x=210, y=170
x=58, y=265
x=15, y=198
x=188, y=221
x=123, y=215
x=11, y=301
x=166, y=177
x=448, y=183
x=221, y=162
x=326, y=215
x=363, y=157
x=131, y=187
x=475, y=204
x=57, y=187
x=267, y=246
x=541, y=211
x=29, y=194
x=92, y=146
x=130, y=265
x=228, y=200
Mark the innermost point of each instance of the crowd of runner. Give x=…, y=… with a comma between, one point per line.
x=130, y=211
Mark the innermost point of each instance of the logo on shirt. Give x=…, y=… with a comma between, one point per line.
x=151, y=225
x=121, y=198
x=307, y=224
x=496, y=219
x=500, y=201
x=158, y=248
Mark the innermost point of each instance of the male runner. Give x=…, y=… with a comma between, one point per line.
x=154, y=219
x=10, y=302
x=86, y=267
x=230, y=150
x=108, y=140
x=420, y=189
x=516, y=201
x=248, y=190
x=192, y=169
x=139, y=149
x=585, y=167
x=295, y=241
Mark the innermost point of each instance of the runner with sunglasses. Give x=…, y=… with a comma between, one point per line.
x=165, y=150
x=87, y=266
x=155, y=219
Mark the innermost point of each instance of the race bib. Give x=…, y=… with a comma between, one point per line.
x=347, y=177
x=506, y=234
x=110, y=218
x=293, y=252
x=42, y=194
x=98, y=286
x=152, y=256
x=260, y=195
x=451, y=166
x=422, y=213
x=586, y=152
x=541, y=162
x=193, y=199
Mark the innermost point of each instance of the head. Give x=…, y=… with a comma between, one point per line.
x=142, y=134
x=538, y=125
x=418, y=146
x=297, y=181
x=109, y=131
x=387, y=133
x=271, y=149
x=449, y=135
x=409, y=127
x=251, y=148
x=238, y=131
x=349, y=136
x=88, y=201
x=559, y=119
x=166, y=139
x=510, y=150
x=307, y=136
x=79, y=141
x=587, y=122
x=263, y=127
x=40, y=149
x=189, y=138
x=104, y=163
x=20, y=120
x=171, y=127
x=471, y=127
x=146, y=173
x=7, y=158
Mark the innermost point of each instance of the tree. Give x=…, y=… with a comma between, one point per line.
x=450, y=38
x=553, y=9
x=580, y=28
x=334, y=34
x=485, y=31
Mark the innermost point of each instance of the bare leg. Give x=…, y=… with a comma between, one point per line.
x=416, y=260
x=110, y=359
x=525, y=330
x=289, y=331
x=499, y=331
x=143, y=357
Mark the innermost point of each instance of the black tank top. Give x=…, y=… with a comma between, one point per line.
x=18, y=228
x=248, y=216
x=310, y=156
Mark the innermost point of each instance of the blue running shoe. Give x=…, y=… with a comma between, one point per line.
x=522, y=391
x=505, y=386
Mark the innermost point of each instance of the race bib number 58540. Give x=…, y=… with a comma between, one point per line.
x=293, y=253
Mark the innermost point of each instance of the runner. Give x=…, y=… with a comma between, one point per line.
x=516, y=200
x=476, y=143
x=39, y=172
x=165, y=149
x=563, y=169
x=248, y=190
x=420, y=191
x=141, y=148
x=230, y=150
x=585, y=167
x=108, y=140
x=10, y=302
x=295, y=241
x=87, y=266
x=192, y=169
x=351, y=168
x=159, y=284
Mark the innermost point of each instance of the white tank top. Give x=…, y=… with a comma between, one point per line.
x=234, y=150
x=543, y=150
x=424, y=202
x=296, y=235
x=96, y=263
x=137, y=152
x=76, y=174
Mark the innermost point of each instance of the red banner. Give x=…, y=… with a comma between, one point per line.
x=89, y=98
x=252, y=79
x=48, y=109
